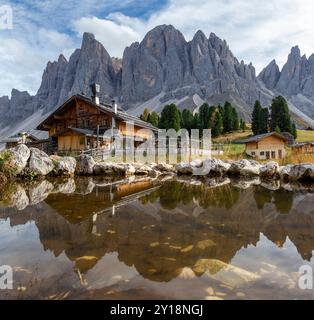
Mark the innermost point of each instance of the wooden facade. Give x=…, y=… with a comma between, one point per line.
x=25, y=138
x=79, y=124
x=303, y=148
x=266, y=146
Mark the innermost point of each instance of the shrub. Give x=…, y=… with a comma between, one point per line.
x=6, y=165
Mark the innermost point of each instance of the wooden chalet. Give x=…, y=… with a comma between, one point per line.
x=80, y=123
x=265, y=146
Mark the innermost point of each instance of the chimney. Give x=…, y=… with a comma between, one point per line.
x=95, y=96
x=114, y=106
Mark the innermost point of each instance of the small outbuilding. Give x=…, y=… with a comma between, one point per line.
x=32, y=138
x=303, y=147
x=265, y=146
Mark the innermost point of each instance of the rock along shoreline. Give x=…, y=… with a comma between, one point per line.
x=26, y=162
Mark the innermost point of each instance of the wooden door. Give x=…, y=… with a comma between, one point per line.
x=267, y=155
x=280, y=154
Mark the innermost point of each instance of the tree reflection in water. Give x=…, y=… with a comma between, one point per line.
x=161, y=230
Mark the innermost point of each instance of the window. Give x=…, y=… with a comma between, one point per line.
x=273, y=154
x=105, y=122
x=262, y=153
x=86, y=123
x=253, y=153
x=82, y=141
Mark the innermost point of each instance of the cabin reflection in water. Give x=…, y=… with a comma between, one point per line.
x=161, y=230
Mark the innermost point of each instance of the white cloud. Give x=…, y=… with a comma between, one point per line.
x=256, y=31
x=23, y=61
x=114, y=36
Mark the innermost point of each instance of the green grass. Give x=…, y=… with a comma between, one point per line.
x=228, y=138
x=305, y=135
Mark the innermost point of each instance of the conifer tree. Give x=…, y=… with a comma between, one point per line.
x=217, y=125
x=187, y=120
x=294, y=131
x=144, y=115
x=235, y=120
x=280, y=115
x=227, y=118
x=256, y=117
x=170, y=118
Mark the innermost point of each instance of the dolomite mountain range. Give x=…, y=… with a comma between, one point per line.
x=164, y=68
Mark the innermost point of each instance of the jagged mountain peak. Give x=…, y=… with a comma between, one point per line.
x=295, y=52
x=270, y=75
x=295, y=81
x=87, y=37
x=199, y=36
x=163, y=68
x=163, y=36
x=62, y=58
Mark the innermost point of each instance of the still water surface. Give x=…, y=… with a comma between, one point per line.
x=89, y=239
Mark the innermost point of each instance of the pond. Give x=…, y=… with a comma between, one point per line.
x=150, y=239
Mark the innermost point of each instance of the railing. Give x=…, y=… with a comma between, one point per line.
x=100, y=154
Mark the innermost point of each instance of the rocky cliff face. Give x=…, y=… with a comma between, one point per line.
x=295, y=81
x=163, y=68
x=165, y=65
x=270, y=75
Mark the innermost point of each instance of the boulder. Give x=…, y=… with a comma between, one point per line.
x=65, y=166
x=303, y=172
x=284, y=171
x=85, y=165
x=216, y=167
x=39, y=191
x=19, y=198
x=129, y=170
x=222, y=272
x=103, y=168
x=164, y=167
x=66, y=186
x=118, y=169
x=247, y=183
x=85, y=186
x=184, y=168
x=197, y=163
x=272, y=184
x=217, y=182
x=19, y=157
x=143, y=169
x=154, y=173
x=269, y=170
x=40, y=163
x=245, y=168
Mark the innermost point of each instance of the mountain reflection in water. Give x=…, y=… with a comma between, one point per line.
x=140, y=238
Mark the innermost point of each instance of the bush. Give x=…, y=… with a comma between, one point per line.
x=3, y=180
x=5, y=164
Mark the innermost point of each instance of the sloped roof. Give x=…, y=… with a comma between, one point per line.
x=302, y=144
x=85, y=132
x=103, y=107
x=38, y=134
x=260, y=137
x=11, y=139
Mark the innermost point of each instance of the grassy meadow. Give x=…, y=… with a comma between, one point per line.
x=233, y=151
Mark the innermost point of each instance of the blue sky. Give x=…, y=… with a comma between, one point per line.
x=256, y=32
